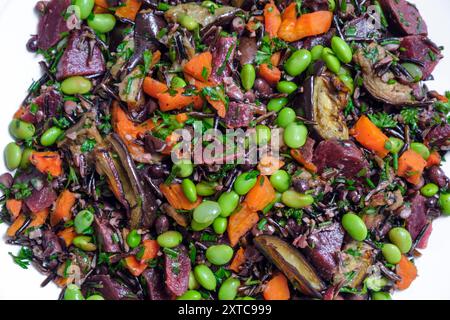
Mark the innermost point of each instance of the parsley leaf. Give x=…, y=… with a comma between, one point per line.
x=88, y=145
x=383, y=120
x=410, y=117
x=23, y=258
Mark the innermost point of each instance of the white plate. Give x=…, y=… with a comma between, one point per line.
x=18, y=68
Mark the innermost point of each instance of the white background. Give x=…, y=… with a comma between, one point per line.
x=18, y=68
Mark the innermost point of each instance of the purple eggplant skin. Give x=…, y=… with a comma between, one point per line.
x=109, y=288
x=177, y=269
x=52, y=24
x=292, y=263
x=156, y=288
x=104, y=232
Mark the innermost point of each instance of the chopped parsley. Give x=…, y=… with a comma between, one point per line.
x=383, y=120
x=23, y=258
x=88, y=145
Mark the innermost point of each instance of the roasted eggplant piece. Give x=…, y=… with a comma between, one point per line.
x=322, y=101
x=130, y=89
x=292, y=263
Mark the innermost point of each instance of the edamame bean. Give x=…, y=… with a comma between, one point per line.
x=86, y=7
x=188, y=22
x=228, y=289
x=228, y=202
x=184, y=168
x=391, y=253
x=401, y=238
x=76, y=85
x=220, y=225
x=248, y=76
x=74, y=9
x=286, y=87
x=21, y=130
x=444, y=203
x=348, y=81
x=169, y=239
x=177, y=83
x=83, y=221
x=193, y=284
x=421, y=149
x=246, y=298
x=276, y=104
x=394, y=145
x=13, y=156
x=209, y=4
x=333, y=63
x=270, y=205
x=381, y=296
x=354, y=226
x=244, y=183
x=219, y=254
x=133, y=239
x=331, y=5
x=341, y=49
x=73, y=292
x=286, y=117
x=206, y=189
x=280, y=180
x=263, y=135
x=205, y=277
x=429, y=190
x=296, y=200
x=190, y=295
x=295, y=135
x=84, y=243
x=189, y=190
x=298, y=62
x=25, y=161
x=414, y=71
x=316, y=52
x=50, y=136
x=206, y=212
x=96, y=297
x=102, y=22
x=196, y=226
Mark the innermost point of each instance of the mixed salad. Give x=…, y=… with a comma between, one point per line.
x=102, y=200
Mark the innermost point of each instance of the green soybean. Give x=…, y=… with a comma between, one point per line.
x=219, y=254
x=348, y=81
x=96, y=297
x=287, y=87
x=244, y=183
x=169, y=239
x=209, y=5
x=205, y=277
x=197, y=226
x=228, y=202
x=294, y=199
x=206, y=212
x=50, y=136
x=13, y=156
x=354, y=226
x=341, y=49
x=381, y=296
x=248, y=76
x=206, y=189
x=270, y=205
x=84, y=243
x=86, y=7
x=246, y=298
x=134, y=239
x=444, y=203
x=429, y=190
x=394, y=145
x=74, y=9
x=421, y=149
x=189, y=190
x=280, y=180
x=102, y=22
x=177, y=83
x=331, y=5
x=295, y=135
x=193, y=284
x=276, y=104
x=401, y=238
x=83, y=221
x=184, y=168
x=286, y=117
x=220, y=225
x=25, y=161
x=298, y=62
x=316, y=52
x=190, y=295
x=188, y=22
x=73, y=292
x=391, y=253
x=228, y=289
x=21, y=130
x=76, y=85
x=333, y=63
x=414, y=71
x=263, y=135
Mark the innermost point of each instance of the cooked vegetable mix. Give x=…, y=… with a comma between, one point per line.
x=110, y=203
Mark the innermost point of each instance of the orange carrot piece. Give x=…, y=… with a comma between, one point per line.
x=287, y=30
x=240, y=223
x=275, y=58
x=261, y=195
x=407, y=271
x=16, y=225
x=297, y=155
x=182, y=117
x=134, y=266
x=47, y=162
x=434, y=159
x=307, y=25
x=151, y=248
x=199, y=66
x=63, y=208
x=97, y=9
x=410, y=166
x=102, y=3
x=14, y=207
x=277, y=288
x=218, y=105
x=238, y=260
x=177, y=101
x=67, y=235
x=290, y=12
x=271, y=74
x=272, y=19
x=154, y=87
x=39, y=218
x=129, y=10
x=268, y=165
x=370, y=136
x=175, y=196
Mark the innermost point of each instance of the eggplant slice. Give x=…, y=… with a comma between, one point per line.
x=292, y=263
